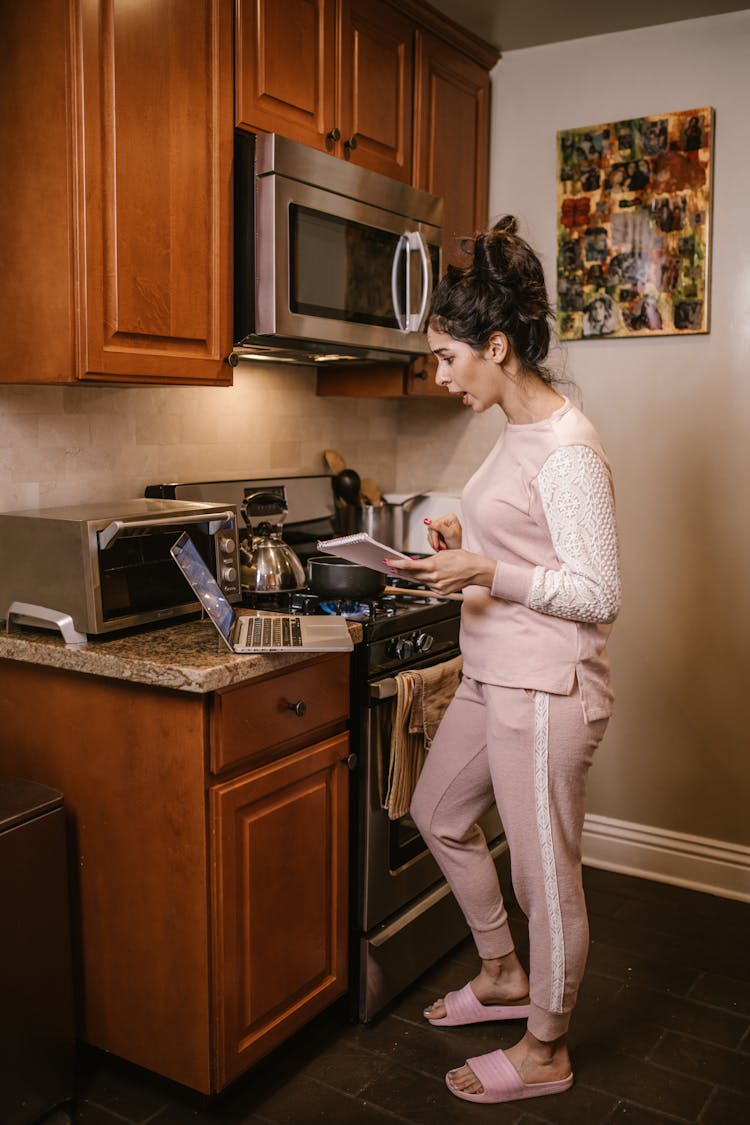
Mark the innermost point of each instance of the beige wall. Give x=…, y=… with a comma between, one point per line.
x=61, y=445
x=675, y=418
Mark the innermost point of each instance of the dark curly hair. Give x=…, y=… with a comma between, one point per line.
x=501, y=289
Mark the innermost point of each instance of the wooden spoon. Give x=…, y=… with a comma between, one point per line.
x=371, y=492
x=334, y=461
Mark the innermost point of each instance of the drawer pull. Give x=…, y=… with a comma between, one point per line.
x=350, y=761
x=299, y=708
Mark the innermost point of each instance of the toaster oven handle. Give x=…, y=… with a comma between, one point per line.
x=109, y=534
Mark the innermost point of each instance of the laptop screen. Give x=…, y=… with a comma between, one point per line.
x=204, y=585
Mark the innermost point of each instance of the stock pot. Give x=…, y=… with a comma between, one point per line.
x=386, y=522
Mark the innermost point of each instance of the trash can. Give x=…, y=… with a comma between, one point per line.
x=37, y=1039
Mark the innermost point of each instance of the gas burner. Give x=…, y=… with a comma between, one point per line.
x=352, y=610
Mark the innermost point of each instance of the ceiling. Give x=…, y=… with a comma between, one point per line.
x=512, y=24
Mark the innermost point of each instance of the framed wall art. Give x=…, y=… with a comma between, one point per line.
x=634, y=226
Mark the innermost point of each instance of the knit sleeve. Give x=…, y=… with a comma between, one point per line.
x=578, y=503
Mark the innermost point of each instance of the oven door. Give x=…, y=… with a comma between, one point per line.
x=340, y=271
x=397, y=865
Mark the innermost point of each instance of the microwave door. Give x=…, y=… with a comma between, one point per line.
x=340, y=271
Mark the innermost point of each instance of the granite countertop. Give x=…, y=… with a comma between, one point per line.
x=186, y=657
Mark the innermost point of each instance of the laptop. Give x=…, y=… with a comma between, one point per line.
x=257, y=632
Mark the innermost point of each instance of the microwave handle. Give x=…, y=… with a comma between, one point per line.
x=110, y=533
x=401, y=249
x=418, y=242
x=409, y=241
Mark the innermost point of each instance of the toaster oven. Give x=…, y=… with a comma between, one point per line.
x=107, y=565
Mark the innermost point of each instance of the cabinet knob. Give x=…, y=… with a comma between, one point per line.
x=333, y=136
x=350, y=761
x=351, y=143
x=299, y=708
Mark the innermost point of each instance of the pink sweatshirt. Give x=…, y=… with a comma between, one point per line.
x=542, y=504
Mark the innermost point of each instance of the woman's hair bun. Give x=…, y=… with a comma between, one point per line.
x=508, y=224
x=501, y=288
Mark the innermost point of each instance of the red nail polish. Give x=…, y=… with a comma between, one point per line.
x=442, y=546
x=427, y=521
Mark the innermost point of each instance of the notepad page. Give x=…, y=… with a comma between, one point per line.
x=363, y=549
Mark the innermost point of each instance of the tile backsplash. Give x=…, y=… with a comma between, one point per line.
x=65, y=445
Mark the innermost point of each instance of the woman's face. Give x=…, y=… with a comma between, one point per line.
x=464, y=372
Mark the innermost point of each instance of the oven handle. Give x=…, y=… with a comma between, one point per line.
x=112, y=531
x=384, y=689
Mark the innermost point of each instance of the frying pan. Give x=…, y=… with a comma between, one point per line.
x=331, y=577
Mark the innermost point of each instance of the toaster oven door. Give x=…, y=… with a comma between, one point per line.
x=137, y=577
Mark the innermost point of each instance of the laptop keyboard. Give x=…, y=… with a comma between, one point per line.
x=271, y=632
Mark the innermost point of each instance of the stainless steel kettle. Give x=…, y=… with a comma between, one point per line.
x=267, y=564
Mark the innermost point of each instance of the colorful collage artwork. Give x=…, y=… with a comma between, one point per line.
x=633, y=222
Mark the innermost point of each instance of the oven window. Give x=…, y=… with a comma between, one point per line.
x=139, y=575
x=341, y=270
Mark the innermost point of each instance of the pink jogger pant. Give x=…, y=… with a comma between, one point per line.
x=530, y=753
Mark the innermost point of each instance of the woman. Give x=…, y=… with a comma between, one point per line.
x=537, y=562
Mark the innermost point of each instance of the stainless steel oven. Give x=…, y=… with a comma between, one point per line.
x=406, y=915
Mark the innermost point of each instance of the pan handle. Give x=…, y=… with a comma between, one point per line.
x=405, y=590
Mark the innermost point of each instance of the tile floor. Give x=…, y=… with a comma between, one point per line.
x=661, y=1034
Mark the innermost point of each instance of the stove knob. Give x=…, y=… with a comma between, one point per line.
x=229, y=574
x=226, y=545
x=424, y=642
x=404, y=648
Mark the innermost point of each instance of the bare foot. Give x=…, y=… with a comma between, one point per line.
x=534, y=1060
x=500, y=981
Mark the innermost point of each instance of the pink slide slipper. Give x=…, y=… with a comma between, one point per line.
x=462, y=1007
x=503, y=1083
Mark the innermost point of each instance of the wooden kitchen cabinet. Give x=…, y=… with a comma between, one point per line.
x=117, y=196
x=333, y=74
x=450, y=157
x=451, y=142
x=210, y=903
x=280, y=845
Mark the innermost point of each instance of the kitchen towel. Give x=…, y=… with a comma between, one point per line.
x=422, y=695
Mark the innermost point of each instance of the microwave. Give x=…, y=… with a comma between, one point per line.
x=333, y=263
x=107, y=566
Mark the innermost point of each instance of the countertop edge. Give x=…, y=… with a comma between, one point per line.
x=185, y=657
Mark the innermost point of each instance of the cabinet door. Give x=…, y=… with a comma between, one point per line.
x=375, y=87
x=37, y=195
x=286, y=68
x=157, y=157
x=451, y=143
x=279, y=870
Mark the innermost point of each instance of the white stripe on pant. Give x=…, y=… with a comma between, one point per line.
x=529, y=752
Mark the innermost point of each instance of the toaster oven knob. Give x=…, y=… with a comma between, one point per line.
x=226, y=545
x=424, y=642
x=229, y=574
x=404, y=648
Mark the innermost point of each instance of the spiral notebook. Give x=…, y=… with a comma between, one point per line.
x=363, y=549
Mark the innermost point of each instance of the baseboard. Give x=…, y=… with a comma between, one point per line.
x=713, y=866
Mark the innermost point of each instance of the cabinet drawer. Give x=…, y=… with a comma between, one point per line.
x=278, y=711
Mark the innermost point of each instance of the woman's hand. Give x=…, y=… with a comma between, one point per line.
x=444, y=532
x=448, y=571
